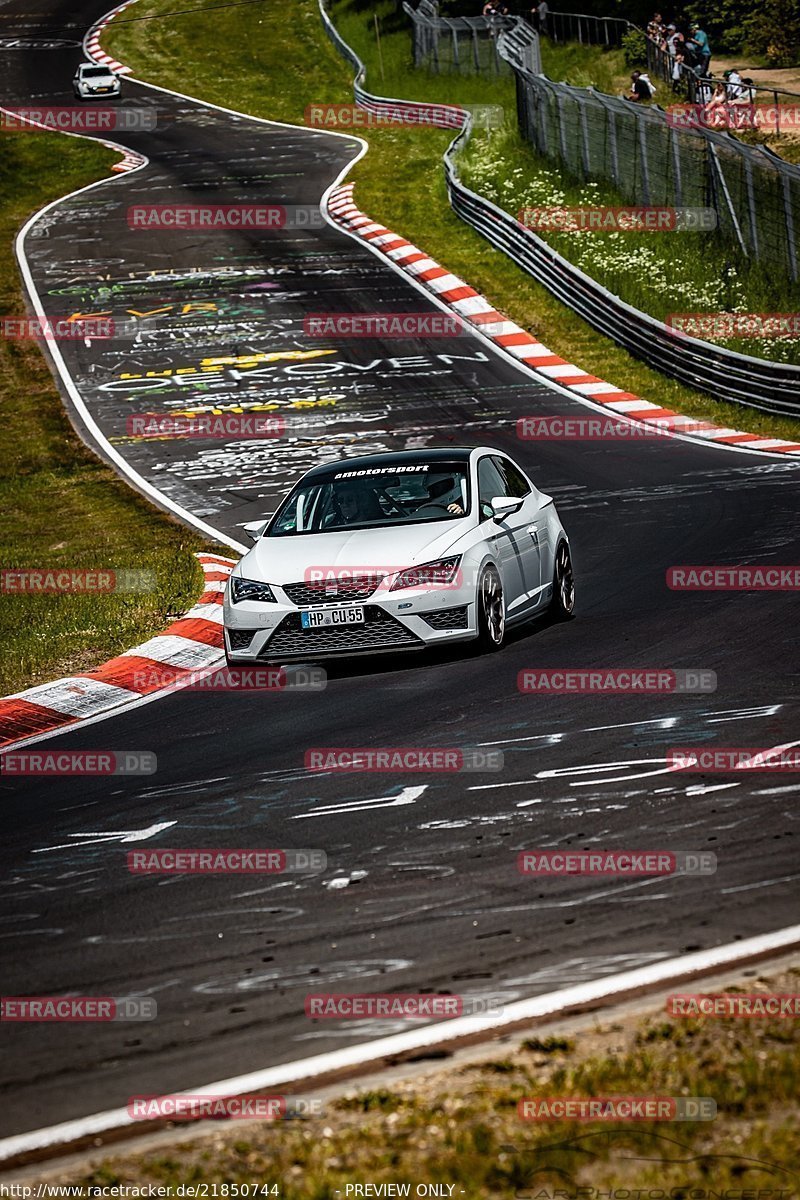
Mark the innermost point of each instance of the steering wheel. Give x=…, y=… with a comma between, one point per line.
x=431, y=504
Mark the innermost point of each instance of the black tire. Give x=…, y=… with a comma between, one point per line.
x=491, y=611
x=562, y=604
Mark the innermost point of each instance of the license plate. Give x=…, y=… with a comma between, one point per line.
x=332, y=616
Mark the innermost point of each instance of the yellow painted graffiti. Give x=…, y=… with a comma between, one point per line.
x=210, y=366
x=199, y=410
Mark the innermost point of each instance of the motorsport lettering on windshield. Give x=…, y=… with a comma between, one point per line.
x=379, y=471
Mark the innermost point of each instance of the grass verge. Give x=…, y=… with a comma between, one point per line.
x=400, y=182
x=60, y=506
x=458, y=1126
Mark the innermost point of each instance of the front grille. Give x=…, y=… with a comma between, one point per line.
x=318, y=591
x=379, y=631
x=447, y=618
x=240, y=639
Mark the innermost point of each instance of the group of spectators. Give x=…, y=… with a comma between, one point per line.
x=689, y=52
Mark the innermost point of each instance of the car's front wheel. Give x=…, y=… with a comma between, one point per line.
x=491, y=610
x=562, y=605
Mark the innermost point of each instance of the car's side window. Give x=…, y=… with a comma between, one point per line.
x=490, y=484
x=516, y=483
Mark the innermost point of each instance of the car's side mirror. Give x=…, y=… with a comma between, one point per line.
x=503, y=506
x=254, y=529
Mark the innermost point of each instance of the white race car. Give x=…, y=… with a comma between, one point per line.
x=90, y=80
x=398, y=552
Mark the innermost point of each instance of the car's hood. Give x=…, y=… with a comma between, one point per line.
x=288, y=559
x=98, y=80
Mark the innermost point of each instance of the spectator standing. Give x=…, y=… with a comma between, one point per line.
x=699, y=39
x=655, y=27
x=541, y=13
x=677, y=70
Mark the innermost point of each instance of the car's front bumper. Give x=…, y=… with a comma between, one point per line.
x=414, y=620
x=87, y=94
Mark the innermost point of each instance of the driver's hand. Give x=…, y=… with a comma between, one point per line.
x=455, y=508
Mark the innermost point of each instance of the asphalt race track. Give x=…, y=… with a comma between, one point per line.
x=434, y=899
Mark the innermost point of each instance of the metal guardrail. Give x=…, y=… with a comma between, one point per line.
x=587, y=29
x=724, y=374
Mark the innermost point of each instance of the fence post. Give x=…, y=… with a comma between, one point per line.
x=611, y=126
x=789, y=215
x=724, y=186
x=584, y=138
x=642, y=132
x=562, y=133
x=751, y=205
x=677, y=182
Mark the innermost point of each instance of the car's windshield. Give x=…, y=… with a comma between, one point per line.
x=357, y=498
x=95, y=72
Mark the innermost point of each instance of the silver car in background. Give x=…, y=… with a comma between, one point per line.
x=92, y=80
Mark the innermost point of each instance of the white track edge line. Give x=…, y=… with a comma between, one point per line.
x=548, y=1005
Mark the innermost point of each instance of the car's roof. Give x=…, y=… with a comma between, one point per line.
x=449, y=454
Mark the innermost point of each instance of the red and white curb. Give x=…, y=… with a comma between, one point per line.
x=192, y=643
x=92, y=48
x=91, y=42
x=523, y=346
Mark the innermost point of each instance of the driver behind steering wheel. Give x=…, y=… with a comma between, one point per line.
x=445, y=493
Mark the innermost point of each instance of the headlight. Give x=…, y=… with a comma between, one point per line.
x=250, y=589
x=440, y=574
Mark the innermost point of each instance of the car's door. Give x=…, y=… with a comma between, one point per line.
x=501, y=536
x=528, y=528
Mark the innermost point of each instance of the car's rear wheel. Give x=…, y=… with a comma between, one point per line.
x=562, y=605
x=491, y=610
